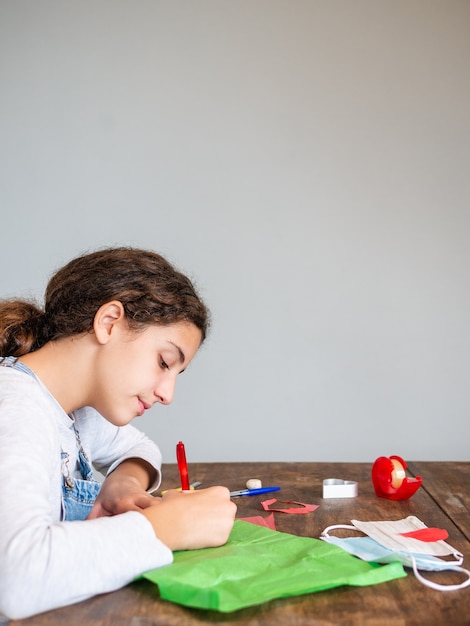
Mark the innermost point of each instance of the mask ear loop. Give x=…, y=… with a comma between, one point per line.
x=335, y=526
x=437, y=586
x=424, y=581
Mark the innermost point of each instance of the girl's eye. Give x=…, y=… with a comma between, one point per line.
x=163, y=364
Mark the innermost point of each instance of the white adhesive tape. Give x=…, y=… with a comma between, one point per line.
x=398, y=474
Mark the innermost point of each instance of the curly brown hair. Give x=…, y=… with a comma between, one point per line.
x=150, y=289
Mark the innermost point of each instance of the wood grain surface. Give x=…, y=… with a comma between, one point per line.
x=442, y=501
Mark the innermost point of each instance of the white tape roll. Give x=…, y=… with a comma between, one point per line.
x=398, y=473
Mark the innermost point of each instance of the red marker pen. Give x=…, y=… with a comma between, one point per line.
x=182, y=466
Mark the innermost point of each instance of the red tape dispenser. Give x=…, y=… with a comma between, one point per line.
x=390, y=481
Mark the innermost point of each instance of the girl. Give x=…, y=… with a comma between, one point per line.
x=117, y=328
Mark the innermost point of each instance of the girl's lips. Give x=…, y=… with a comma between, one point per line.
x=143, y=406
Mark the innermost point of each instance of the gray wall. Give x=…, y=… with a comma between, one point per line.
x=306, y=162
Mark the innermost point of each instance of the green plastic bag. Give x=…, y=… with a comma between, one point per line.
x=259, y=564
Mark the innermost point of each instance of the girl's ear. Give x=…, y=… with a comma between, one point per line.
x=107, y=318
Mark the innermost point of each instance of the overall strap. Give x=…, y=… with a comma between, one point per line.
x=12, y=361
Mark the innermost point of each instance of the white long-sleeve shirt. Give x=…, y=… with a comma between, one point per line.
x=46, y=563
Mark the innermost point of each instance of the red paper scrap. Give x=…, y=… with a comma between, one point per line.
x=427, y=534
x=268, y=522
x=299, y=509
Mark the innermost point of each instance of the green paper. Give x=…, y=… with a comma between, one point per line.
x=258, y=564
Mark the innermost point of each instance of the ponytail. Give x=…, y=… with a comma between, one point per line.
x=21, y=327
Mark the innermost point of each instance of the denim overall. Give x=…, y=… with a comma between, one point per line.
x=78, y=494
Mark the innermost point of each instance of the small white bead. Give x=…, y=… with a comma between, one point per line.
x=254, y=483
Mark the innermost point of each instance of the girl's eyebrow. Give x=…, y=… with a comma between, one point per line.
x=180, y=352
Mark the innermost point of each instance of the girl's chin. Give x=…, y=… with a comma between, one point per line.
x=119, y=420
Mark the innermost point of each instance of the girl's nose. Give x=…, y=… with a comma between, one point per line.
x=165, y=390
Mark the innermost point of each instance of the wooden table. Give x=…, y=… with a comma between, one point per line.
x=443, y=501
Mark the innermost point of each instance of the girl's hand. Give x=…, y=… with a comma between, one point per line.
x=124, y=490
x=189, y=520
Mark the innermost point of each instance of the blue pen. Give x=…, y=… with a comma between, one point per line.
x=252, y=492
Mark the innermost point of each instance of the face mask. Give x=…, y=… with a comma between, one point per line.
x=385, y=542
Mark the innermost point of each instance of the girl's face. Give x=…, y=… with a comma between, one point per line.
x=134, y=370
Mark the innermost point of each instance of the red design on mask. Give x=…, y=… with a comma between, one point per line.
x=427, y=534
